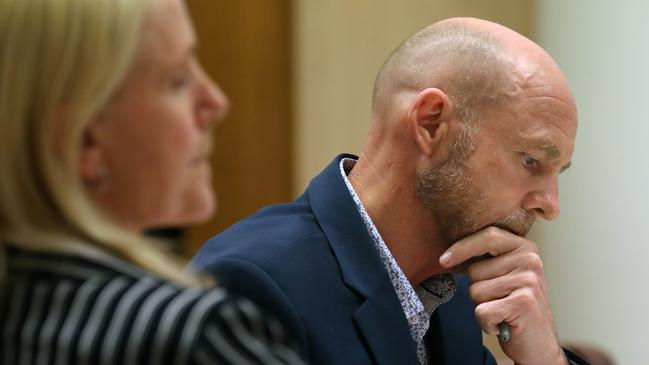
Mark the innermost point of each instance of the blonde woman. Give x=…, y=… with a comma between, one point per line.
x=105, y=133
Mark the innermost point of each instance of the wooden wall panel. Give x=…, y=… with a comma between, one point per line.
x=245, y=46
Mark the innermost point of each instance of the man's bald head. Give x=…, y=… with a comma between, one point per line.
x=475, y=62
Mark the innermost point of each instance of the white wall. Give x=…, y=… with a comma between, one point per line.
x=597, y=253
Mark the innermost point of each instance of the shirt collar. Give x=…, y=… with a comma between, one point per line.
x=415, y=302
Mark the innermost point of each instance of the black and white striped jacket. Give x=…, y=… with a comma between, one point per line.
x=60, y=309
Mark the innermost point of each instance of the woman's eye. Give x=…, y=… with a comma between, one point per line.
x=182, y=78
x=530, y=161
x=180, y=82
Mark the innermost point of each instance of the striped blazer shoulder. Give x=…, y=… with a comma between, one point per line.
x=61, y=309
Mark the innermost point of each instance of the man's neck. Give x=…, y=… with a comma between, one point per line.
x=405, y=225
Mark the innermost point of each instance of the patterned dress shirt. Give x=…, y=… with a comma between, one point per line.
x=418, y=303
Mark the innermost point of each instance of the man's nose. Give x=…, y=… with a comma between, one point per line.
x=545, y=201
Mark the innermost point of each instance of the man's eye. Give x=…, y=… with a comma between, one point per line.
x=530, y=161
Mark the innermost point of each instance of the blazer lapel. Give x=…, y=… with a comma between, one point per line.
x=384, y=327
x=454, y=336
x=380, y=318
x=434, y=341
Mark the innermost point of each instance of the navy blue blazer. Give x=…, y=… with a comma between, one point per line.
x=313, y=264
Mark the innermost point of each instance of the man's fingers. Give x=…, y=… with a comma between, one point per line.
x=503, y=286
x=491, y=314
x=509, y=309
x=489, y=241
x=494, y=267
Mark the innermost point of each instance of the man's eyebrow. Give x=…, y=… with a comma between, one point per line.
x=565, y=167
x=551, y=150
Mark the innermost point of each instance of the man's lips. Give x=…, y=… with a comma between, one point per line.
x=507, y=228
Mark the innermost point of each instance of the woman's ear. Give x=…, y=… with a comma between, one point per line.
x=430, y=116
x=58, y=138
x=93, y=166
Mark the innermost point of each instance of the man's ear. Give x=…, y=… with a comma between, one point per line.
x=430, y=116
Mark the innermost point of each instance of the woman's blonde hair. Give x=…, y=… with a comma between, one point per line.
x=62, y=61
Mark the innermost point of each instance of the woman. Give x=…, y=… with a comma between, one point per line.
x=105, y=133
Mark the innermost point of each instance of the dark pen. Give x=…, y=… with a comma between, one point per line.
x=504, y=334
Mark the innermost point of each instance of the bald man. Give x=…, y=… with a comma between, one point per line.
x=405, y=254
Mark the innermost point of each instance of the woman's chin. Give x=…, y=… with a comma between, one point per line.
x=198, y=208
x=202, y=208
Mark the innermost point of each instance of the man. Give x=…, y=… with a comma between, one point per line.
x=471, y=125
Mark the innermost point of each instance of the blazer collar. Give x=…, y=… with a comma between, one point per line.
x=380, y=317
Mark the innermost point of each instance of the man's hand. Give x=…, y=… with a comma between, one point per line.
x=510, y=287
